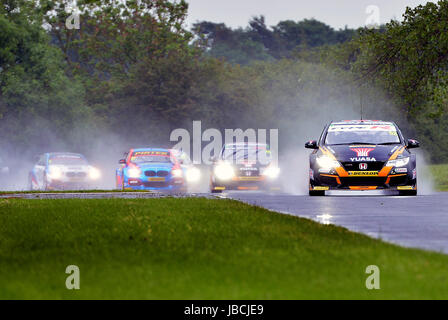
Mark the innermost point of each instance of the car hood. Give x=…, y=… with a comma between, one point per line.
x=155, y=166
x=356, y=153
x=71, y=168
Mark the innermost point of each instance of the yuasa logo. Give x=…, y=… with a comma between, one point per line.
x=362, y=152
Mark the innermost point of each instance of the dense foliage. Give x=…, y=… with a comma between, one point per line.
x=133, y=70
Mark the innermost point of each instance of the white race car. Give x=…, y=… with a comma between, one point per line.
x=62, y=171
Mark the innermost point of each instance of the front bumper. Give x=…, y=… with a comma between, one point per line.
x=155, y=184
x=69, y=184
x=379, y=181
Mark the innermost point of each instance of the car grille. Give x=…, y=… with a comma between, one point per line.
x=371, y=166
x=400, y=180
x=363, y=181
x=76, y=174
x=155, y=184
x=254, y=172
x=160, y=173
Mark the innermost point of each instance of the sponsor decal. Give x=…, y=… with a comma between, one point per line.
x=401, y=170
x=362, y=127
x=151, y=153
x=156, y=179
x=363, y=166
x=405, y=188
x=363, y=173
x=321, y=188
x=362, y=159
x=362, y=152
x=249, y=169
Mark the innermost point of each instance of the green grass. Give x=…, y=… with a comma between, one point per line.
x=440, y=175
x=197, y=248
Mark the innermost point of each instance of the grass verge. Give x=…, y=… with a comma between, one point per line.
x=440, y=176
x=197, y=248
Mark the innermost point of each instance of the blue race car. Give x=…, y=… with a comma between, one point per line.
x=62, y=171
x=150, y=169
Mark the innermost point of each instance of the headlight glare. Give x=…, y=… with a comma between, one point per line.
x=134, y=172
x=94, y=173
x=400, y=162
x=54, y=172
x=224, y=171
x=326, y=162
x=193, y=175
x=272, y=172
x=177, y=173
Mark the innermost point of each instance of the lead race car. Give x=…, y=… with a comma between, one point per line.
x=362, y=155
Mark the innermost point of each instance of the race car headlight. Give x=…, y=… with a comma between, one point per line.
x=94, y=173
x=177, y=173
x=401, y=162
x=224, y=171
x=54, y=172
x=193, y=175
x=134, y=172
x=271, y=172
x=326, y=162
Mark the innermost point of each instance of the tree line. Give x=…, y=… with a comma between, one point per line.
x=134, y=70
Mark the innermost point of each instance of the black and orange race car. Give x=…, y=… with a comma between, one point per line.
x=362, y=155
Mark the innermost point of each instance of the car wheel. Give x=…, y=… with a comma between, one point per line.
x=316, y=193
x=407, y=193
x=30, y=183
x=45, y=184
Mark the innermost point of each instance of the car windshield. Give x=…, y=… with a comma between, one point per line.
x=151, y=157
x=362, y=134
x=244, y=153
x=67, y=160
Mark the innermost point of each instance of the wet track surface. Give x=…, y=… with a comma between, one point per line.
x=420, y=222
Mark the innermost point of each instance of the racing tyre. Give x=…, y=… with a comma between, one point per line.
x=407, y=193
x=316, y=193
x=45, y=184
x=30, y=184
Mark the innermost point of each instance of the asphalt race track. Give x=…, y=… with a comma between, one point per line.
x=420, y=222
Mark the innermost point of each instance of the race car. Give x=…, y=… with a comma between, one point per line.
x=150, y=169
x=362, y=155
x=244, y=166
x=62, y=171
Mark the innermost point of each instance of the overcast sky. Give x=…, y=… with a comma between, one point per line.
x=336, y=13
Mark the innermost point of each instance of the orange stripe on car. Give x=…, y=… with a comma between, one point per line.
x=386, y=170
x=362, y=187
x=332, y=176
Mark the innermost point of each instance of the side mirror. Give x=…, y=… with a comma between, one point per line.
x=122, y=161
x=413, y=144
x=311, y=145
